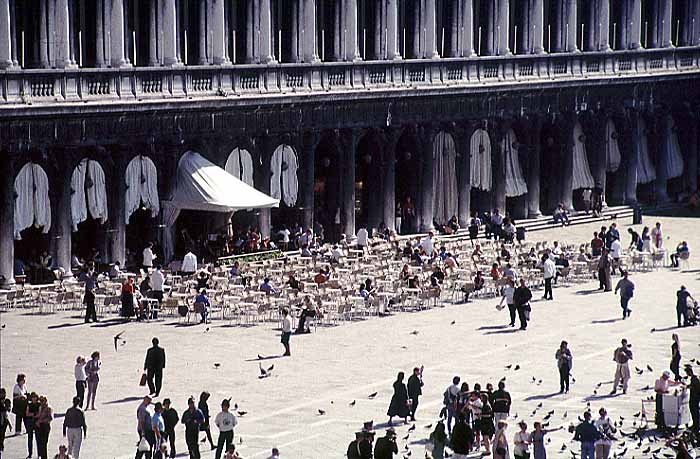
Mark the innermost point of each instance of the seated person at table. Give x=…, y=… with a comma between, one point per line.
x=202, y=305
x=267, y=287
x=508, y=231
x=414, y=282
x=305, y=252
x=18, y=268
x=189, y=264
x=293, y=283
x=681, y=249
x=145, y=285
x=560, y=262
x=408, y=250
x=115, y=270
x=495, y=272
x=203, y=280
x=309, y=311
x=336, y=254
x=477, y=254
x=442, y=254
x=560, y=215
x=556, y=250
x=453, y=224
x=661, y=387
x=416, y=258
x=505, y=253
x=437, y=277
x=582, y=255
x=405, y=273
x=128, y=289
x=510, y=272
x=75, y=262
x=451, y=262
x=479, y=282
x=321, y=277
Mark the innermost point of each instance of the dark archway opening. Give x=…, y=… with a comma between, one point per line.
x=327, y=186
x=28, y=253
x=368, y=184
x=407, y=183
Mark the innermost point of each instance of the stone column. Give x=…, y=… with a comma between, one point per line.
x=51, y=31
x=61, y=230
x=62, y=44
x=338, y=30
x=310, y=40
x=250, y=33
x=660, y=146
x=491, y=27
x=116, y=231
x=467, y=29
x=203, y=30
x=537, y=29
x=498, y=165
x=308, y=161
x=595, y=148
x=567, y=152
x=219, y=33
x=503, y=27
x=6, y=38
x=117, y=35
x=7, y=224
x=430, y=33
x=464, y=185
x=99, y=34
x=153, y=35
x=263, y=175
x=169, y=34
x=43, y=39
x=570, y=26
x=630, y=149
x=417, y=29
x=534, y=155
x=350, y=39
x=392, y=24
x=297, y=24
x=454, y=29
x=378, y=31
x=664, y=23
x=598, y=33
x=266, y=41
x=634, y=24
x=426, y=135
x=690, y=170
x=348, y=141
x=390, y=140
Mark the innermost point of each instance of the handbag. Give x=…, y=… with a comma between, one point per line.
x=143, y=446
x=501, y=451
x=142, y=381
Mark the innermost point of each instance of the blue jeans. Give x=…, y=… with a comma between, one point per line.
x=587, y=450
x=450, y=416
x=624, y=302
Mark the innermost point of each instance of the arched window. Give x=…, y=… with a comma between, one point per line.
x=444, y=177
x=141, y=186
x=88, y=192
x=283, y=183
x=240, y=165
x=32, y=205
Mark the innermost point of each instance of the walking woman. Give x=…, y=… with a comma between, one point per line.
x=399, y=401
x=439, y=439
x=204, y=408
x=92, y=370
x=80, y=379
x=501, y=450
x=521, y=442
x=676, y=357
x=43, y=426
x=19, y=402
x=564, y=363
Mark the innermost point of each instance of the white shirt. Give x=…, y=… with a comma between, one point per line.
x=285, y=234
x=225, y=421
x=189, y=263
x=337, y=254
x=157, y=280
x=80, y=372
x=362, y=237
x=616, y=248
x=19, y=391
x=508, y=293
x=603, y=424
x=286, y=325
x=306, y=239
x=428, y=245
x=550, y=268
x=148, y=257
x=520, y=448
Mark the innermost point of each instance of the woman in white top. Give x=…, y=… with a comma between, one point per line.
x=80, y=378
x=521, y=442
x=508, y=293
x=606, y=429
x=19, y=401
x=501, y=449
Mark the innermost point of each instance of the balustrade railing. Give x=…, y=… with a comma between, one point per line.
x=45, y=86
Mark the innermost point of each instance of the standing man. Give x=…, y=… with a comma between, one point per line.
x=170, y=419
x=415, y=384
x=153, y=366
x=587, y=434
x=145, y=427
x=622, y=356
x=386, y=446
x=657, y=236
x=157, y=282
x=74, y=428
x=616, y=254
x=604, y=264
x=694, y=386
x=564, y=363
x=501, y=403
x=450, y=398
x=226, y=422
x=682, y=297
x=192, y=418
x=626, y=288
x=89, y=277
x=286, y=331
x=550, y=270
x=521, y=299
x=148, y=257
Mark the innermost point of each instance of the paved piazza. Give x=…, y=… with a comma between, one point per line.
x=334, y=366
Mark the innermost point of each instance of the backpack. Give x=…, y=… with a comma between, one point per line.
x=353, y=450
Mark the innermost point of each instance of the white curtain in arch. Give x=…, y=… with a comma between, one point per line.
x=240, y=165
x=88, y=193
x=646, y=172
x=444, y=177
x=141, y=186
x=32, y=204
x=284, y=184
x=480, y=160
x=612, y=148
x=674, y=157
x=515, y=183
x=582, y=173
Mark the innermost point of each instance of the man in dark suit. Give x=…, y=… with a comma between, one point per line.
x=415, y=384
x=153, y=366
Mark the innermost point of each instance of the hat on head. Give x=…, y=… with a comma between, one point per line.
x=666, y=374
x=390, y=432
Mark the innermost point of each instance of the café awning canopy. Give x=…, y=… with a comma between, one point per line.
x=202, y=185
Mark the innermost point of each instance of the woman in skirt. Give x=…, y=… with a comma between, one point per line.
x=485, y=422
x=399, y=401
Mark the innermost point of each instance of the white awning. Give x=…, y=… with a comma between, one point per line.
x=646, y=172
x=141, y=186
x=515, y=182
x=201, y=185
x=582, y=173
x=480, y=160
x=612, y=148
x=674, y=157
x=32, y=205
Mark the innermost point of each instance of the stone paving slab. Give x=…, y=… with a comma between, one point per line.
x=334, y=366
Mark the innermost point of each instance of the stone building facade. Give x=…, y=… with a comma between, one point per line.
x=340, y=107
